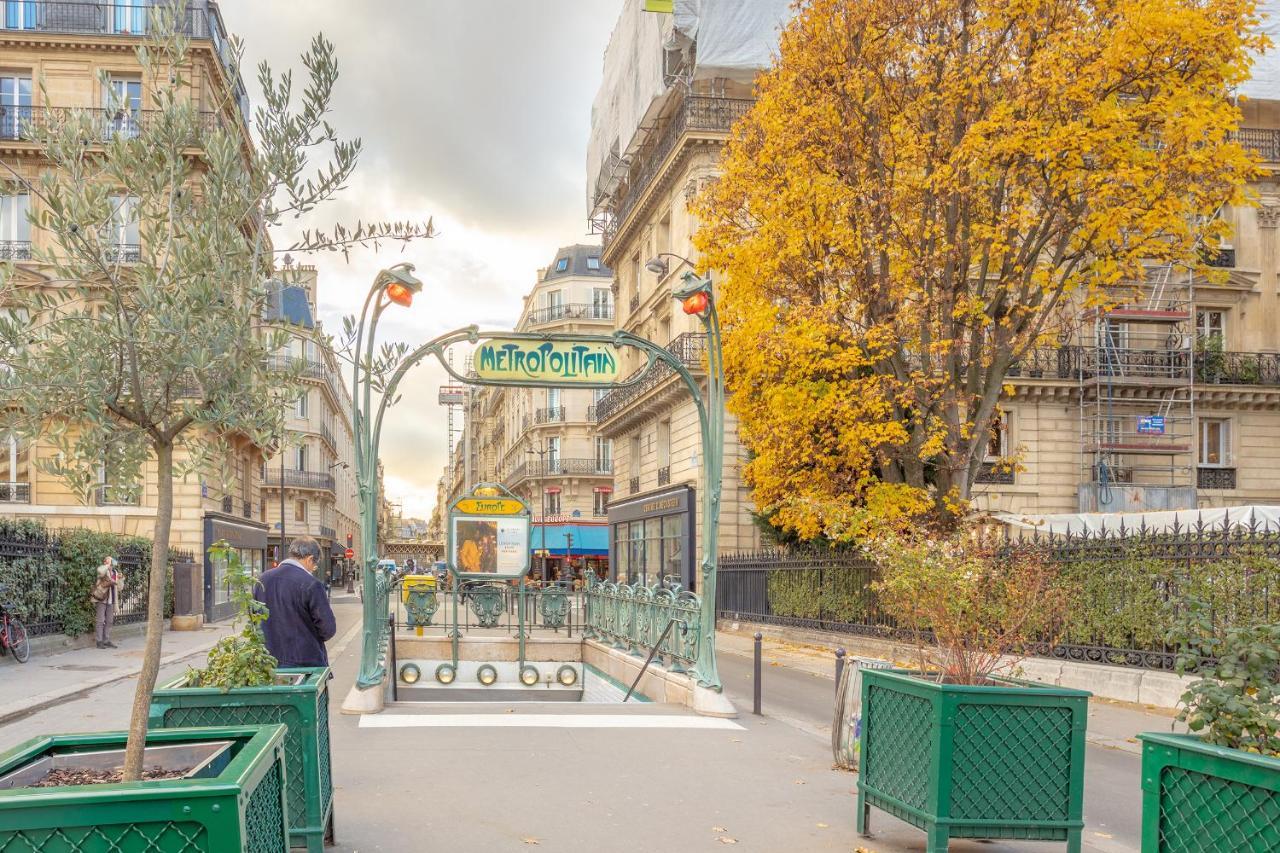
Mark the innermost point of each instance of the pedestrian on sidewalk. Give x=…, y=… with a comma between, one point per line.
x=299, y=618
x=105, y=597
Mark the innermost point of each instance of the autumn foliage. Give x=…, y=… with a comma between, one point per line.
x=925, y=190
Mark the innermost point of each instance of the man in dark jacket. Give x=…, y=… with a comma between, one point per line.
x=299, y=618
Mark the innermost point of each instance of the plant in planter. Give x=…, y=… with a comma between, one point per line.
x=241, y=684
x=958, y=747
x=1218, y=788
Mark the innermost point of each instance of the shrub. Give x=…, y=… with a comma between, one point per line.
x=1235, y=702
x=242, y=659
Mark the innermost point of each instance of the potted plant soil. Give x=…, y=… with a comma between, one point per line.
x=207, y=789
x=958, y=746
x=1218, y=787
x=241, y=685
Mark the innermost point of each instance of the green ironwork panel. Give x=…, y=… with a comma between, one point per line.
x=264, y=821
x=1011, y=763
x=302, y=708
x=897, y=759
x=140, y=837
x=1208, y=799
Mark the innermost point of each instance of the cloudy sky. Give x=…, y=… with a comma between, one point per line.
x=475, y=113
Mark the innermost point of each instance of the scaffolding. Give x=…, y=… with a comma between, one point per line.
x=1137, y=398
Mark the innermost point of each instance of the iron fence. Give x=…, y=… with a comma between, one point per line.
x=1128, y=583
x=45, y=588
x=633, y=617
x=489, y=607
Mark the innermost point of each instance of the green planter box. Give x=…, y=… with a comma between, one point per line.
x=973, y=762
x=242, y=808
x=1205, y=798
x=303, y=707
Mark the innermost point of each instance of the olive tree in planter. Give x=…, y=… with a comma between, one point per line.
x=1218, y=788
x=136, y=347
x=241, y=685
x=958, y=746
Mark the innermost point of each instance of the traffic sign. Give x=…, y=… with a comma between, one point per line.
x=350, y=554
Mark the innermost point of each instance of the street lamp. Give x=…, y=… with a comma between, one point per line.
x=542, y=470
x=397, y=285
x=659, y=267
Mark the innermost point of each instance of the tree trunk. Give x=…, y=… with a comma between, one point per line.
x=155, y=615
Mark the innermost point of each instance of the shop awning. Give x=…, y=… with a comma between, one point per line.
x=590, y=540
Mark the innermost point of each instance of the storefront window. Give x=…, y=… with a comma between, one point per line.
x=672, y=552
x=621, y=549
x=251, y=559
x=636, y=568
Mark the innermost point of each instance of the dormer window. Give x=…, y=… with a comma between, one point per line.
x=593, y=264
x=562, y=265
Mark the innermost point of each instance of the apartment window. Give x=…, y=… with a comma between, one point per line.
x=15, y=228
x=553, y=400
x=554, y=303
x=15, y=100
x=129, y=16
x=1211, y=325
x=604, y=454
x=634, y=461
x=124, y=106
x=562, y=265
x=551, y=500
x=300, y=511
x=122, y=233
x=553, y=454
x=593, y=264
x=300, y=458
x=601, y=303
x=600, y=501
x=663, y=242
x=15, y=473
x=20, y=15
x=301, y=409
x=635, y=276
x=1215, y=442
x=998, y=438
x=664, y=444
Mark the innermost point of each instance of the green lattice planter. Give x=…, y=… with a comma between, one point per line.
x=1205, y=798
x=303, y=707
x=1001, y=761
x=242, y=808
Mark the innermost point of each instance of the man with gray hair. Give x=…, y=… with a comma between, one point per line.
x=299, y=618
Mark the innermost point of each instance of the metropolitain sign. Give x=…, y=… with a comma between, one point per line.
x=559, y=362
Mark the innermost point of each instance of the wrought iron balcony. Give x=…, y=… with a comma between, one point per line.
x=103, y=125
x=327, y=435
x=1265, y=142
x=552, y=415
x=664, y=475
x=633, y=485
x=694, y=114
x=536, y=468
x=247, y=509
x=635, y=303
x=122, y=253
x=300, y=479
x=15, y=250
x=576, y=311
x=1223, y=258
x=198, y=21
x=228, y=504
x=1237, y=368
x=328, y=532
x=307, y=369
x=994, y=472
x=1215, y=478
x=15, y=493
x=690, y=348
x=1137, y=365
x=110, y=495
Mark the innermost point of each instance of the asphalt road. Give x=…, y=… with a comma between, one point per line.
x=1113, y=792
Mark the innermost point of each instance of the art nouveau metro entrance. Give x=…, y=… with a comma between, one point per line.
x=500, y=633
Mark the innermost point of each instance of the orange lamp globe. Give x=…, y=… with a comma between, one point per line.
x=399, y=294
x=696, y=304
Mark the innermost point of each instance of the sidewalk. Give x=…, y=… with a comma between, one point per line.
x=1114, y=725
x=47, y=680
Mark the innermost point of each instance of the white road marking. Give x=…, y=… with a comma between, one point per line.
x=544, y=721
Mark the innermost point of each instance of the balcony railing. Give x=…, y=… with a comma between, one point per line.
x=107, y=495
x=554, y=313
x=15, y=493
x=15, y=250
x=552, y=415
x=1263, y=141
x=634, y=303
x=1223, y=258
x=122, y=253
x=633, y=485
x=300, y=479
x=23, y=122
x=111, y=19
x=690, y=348
x=558, y=468
x=228, y=504
x=1211, y=368
x=1215, y=478
x=307, y=369
x=664, y=475
x=327, y=435
x=696, y=113
x=995, y=473
x=328, y=532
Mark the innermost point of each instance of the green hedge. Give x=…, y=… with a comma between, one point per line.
x=49, y=574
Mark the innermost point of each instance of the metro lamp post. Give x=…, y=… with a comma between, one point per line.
x=394, y=285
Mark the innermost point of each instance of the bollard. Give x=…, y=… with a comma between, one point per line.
x=755, y=708
x=840, y=653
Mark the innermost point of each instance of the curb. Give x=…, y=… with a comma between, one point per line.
x=39, y=702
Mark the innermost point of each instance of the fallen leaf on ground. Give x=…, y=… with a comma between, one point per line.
x=822, y=826
x=799, y=781
x=718, y=829
x=530, y=840
x=724, y=839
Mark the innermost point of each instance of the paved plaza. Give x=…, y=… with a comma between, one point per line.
x=598, y=776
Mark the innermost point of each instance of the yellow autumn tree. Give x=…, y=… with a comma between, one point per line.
x=926, y=189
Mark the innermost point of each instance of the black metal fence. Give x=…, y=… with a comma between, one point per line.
x=1123, y=580
x=49, y=590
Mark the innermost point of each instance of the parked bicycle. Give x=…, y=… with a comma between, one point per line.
x=13, y=634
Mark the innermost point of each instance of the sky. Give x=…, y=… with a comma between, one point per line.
x=473, y=113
